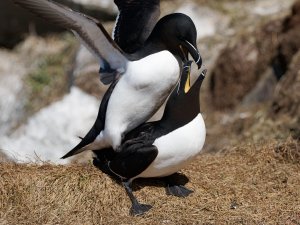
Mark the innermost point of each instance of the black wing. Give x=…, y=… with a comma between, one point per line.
x=88, y=29
x=135, y=22
x=128, y=163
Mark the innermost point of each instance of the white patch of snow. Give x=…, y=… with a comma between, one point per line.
x=11, y=85
x=207, y=21
x=53, y=131
x=269, y=7
x=105, y=4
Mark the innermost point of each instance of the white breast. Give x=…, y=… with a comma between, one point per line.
x=139, y=93
x=177, y=149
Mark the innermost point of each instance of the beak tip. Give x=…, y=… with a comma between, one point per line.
x=199, y=64
x=199, y=61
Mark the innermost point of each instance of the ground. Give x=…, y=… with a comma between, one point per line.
x=250, y=184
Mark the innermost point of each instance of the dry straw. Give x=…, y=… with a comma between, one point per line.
x=255, y=184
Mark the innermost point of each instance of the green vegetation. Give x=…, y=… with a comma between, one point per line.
x=49, y=81
x=48, y=70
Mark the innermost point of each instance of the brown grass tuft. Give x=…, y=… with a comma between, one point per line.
x=289, y=151
x=251, y=184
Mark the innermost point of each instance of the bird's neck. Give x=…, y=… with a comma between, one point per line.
x=181, y=109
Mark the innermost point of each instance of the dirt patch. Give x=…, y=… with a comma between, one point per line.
x=248, y=184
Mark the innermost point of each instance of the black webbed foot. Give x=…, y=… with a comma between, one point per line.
x=139, y=209
x=178, y=191
x=107, y=74
x=174, y=187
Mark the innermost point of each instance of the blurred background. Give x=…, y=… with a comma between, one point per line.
x=50, y=89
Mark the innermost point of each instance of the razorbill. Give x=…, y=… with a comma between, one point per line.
x=161, y=148
x=144, y=78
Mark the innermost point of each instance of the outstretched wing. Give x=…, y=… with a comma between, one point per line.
x=135, y=22
x=89, y=30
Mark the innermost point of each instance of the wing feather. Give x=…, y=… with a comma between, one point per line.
x=90, y=31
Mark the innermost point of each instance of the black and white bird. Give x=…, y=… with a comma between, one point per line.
x=160, y=148
x=141, y=81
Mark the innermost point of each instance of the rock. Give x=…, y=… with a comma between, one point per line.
x=104, y=5
x=263, y=91
x=287, y=95
x=289, y=42
x=287, y=48
x=242, y=64
x=267, y=7
x=208, y=22
x=16, y=22
x=52, y=131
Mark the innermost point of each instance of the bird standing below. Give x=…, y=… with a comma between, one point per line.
x=141, y=81
x=160, y=148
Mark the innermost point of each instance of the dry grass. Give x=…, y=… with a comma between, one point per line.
x=246, y=185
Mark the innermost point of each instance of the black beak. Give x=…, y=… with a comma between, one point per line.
x=192, y=49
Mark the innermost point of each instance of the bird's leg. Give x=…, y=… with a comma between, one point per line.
x=174, y=189
x=136, y=208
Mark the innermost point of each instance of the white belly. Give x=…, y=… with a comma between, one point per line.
x=139, y=93
x=177, y=149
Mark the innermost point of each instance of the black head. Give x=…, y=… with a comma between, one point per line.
x=178, y=34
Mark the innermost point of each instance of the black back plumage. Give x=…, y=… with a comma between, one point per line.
x=135, y=22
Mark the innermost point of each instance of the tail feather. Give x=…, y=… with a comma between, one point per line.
x=89, y=138
x=98, y=125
